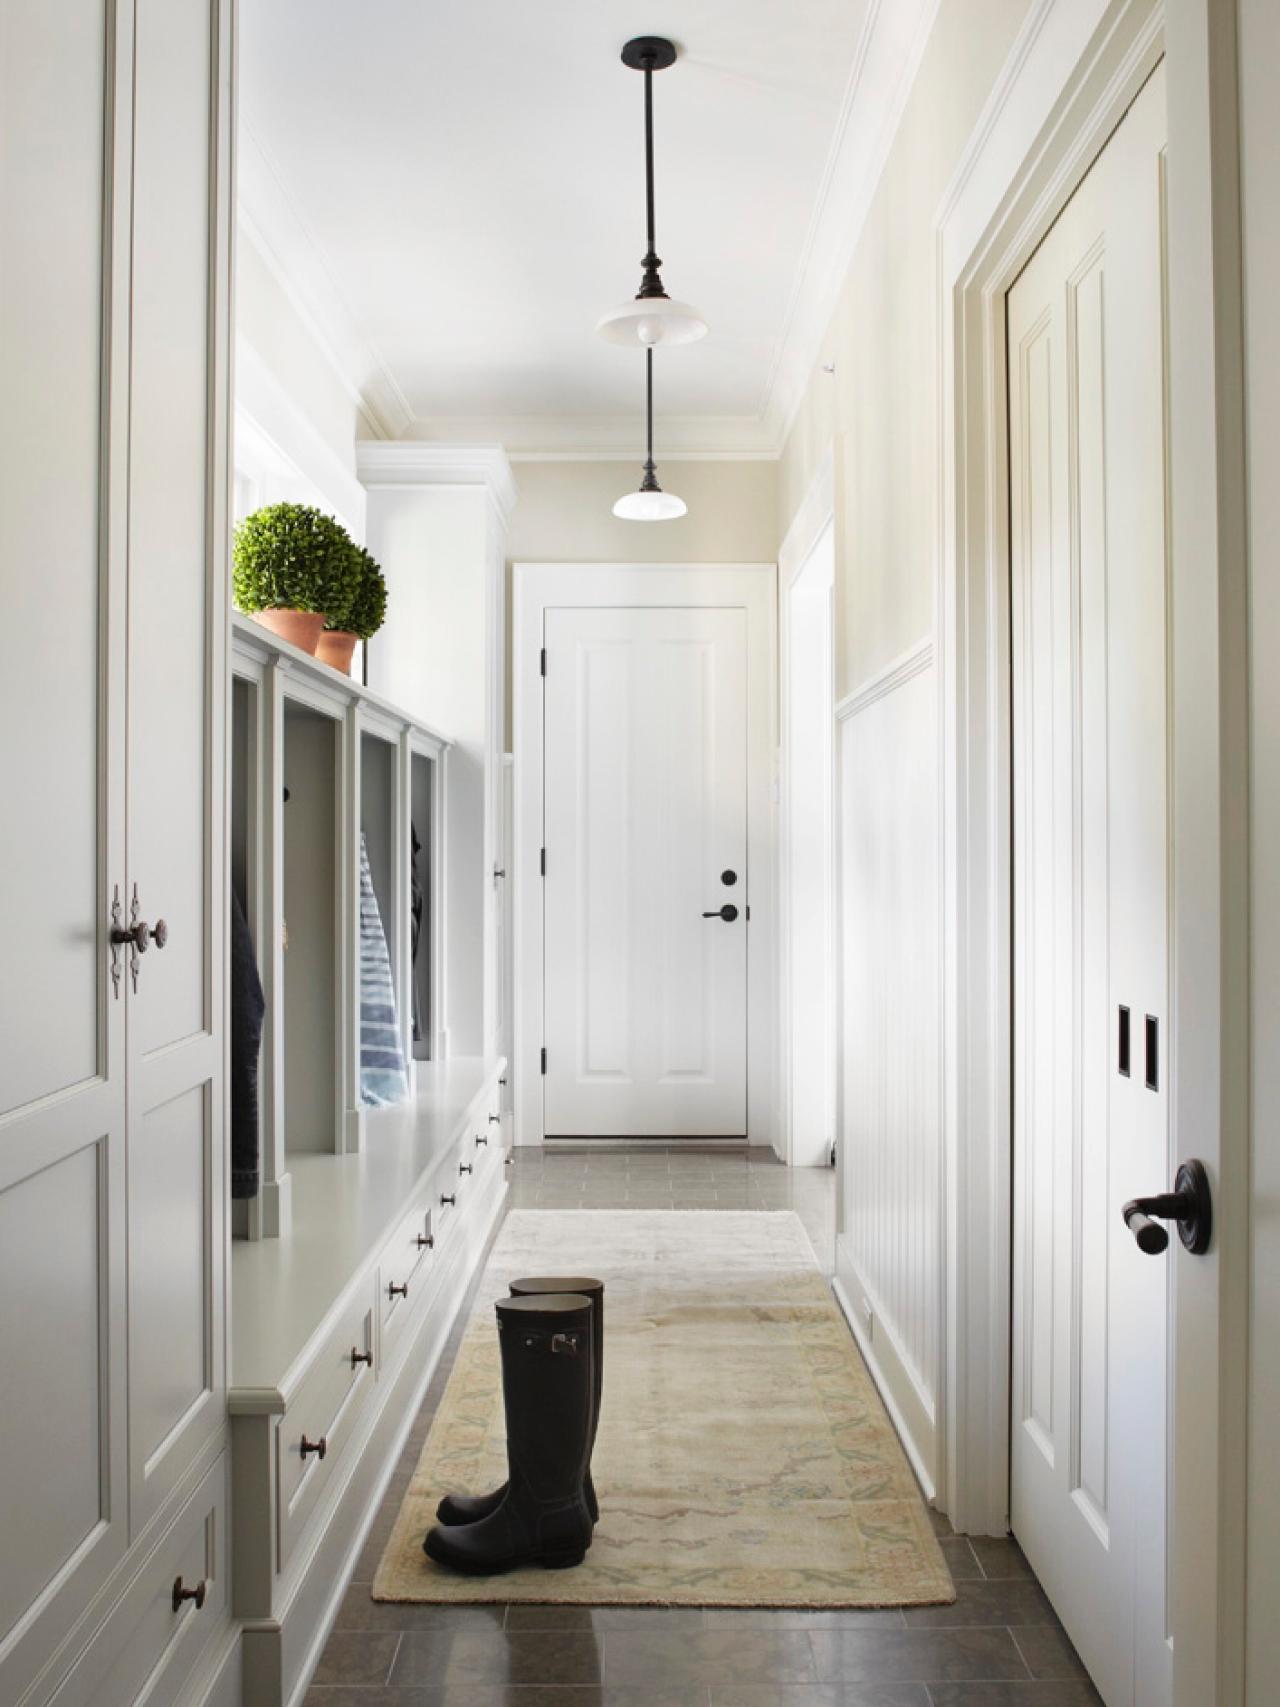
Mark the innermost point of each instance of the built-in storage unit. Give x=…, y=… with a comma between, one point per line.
x=116, y=221
x=321, y=768
x=352, y=1260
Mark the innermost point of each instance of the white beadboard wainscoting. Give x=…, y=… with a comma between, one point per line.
x=889, y=1246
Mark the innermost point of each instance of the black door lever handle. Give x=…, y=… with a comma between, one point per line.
x=728, y=913
x=1190, y=1204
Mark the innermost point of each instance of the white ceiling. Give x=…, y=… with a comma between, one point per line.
x=454, y=188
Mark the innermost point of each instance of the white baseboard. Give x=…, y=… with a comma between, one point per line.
x=886, y=1378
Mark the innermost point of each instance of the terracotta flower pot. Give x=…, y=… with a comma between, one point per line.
x=337, y=648
x=301, y=628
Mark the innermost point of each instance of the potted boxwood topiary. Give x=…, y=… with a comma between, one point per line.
x=362, y=617
x=290, y=566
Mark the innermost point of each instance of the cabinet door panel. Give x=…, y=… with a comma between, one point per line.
x=177, y=656
x=52, y=226
x=65, y=119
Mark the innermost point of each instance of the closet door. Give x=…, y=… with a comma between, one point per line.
x=64, y=221
x=177, y=662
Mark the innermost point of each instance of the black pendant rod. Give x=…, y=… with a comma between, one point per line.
x=649, y=54
x=650, y=481
x=651, y=257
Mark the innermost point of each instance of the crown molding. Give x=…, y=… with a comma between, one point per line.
x=884, y=70
x=409, y=463
x=269, y=218
x=608, y=438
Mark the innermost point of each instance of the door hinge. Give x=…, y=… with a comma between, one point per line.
x=544, y=1060
x=543, y=662
x=542, y=861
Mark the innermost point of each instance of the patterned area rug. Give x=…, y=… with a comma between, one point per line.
x=744, y=1457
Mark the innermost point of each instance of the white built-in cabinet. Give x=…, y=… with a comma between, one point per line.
x=115, y=221
x=348, y=1267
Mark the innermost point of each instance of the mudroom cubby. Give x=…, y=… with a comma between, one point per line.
x=321, y=767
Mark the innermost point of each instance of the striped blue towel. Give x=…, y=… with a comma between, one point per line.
x=383, y=1078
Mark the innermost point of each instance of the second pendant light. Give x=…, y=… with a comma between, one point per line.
x=650, y=503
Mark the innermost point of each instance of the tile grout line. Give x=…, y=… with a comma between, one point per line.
x=1018, y=1645
x=395, y=1655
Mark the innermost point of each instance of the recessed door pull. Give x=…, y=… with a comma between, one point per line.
x=1190, y=1204
x=728, y=913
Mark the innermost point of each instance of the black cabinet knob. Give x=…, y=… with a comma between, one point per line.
x=319, y=1447
x=181, y=1593
x=395, y=1290
x=448, y=1197
x=358, y=1357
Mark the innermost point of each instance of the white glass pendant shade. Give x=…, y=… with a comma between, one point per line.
x=651, y=506
x=647, y=321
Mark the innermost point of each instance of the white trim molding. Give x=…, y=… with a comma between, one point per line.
x=269, y=218
x=884, y=71
x=913, y=662
x=537, y=587
x=411, y=463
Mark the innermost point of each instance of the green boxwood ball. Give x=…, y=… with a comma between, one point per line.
x=293, y=557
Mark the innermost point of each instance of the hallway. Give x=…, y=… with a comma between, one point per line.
x=998, y=1646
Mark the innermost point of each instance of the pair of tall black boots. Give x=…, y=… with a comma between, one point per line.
x=551, y=1337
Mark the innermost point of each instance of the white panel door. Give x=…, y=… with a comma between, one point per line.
x=646, y=832
x=177, y=662
x=1091, y=1311
x=64, y=197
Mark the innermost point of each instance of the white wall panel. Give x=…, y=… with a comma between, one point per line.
x=889, y=1248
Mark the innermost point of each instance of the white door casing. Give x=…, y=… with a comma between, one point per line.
x=538, y=588
x=808, y=929
x=1090, y=827
x=645, y=780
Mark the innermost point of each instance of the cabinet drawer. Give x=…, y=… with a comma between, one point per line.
x=154, y=1637
x=315, y=1429
x=404, y=1272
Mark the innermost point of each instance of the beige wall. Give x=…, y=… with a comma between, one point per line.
x=880, y=405
x=564, y=514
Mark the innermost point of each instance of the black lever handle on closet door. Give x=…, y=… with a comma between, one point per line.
x=728, y=913
x=1190, y=1204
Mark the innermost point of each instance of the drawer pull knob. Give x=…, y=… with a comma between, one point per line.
x=495, y=1120
x=502, y=1082
x=181, y=1593
x=448, y=1197
x=481, y=1140
x=464, y=1167
x=361, y=1357
x=401, y=1291
x=319, y=1447
x=425, y=1241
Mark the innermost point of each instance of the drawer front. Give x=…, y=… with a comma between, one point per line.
x=449, y=1188
x=405, y=1272
x=314, y=1431
x=152, y=1640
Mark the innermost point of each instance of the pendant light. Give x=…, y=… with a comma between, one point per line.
x=652, y=317
x=650, y=503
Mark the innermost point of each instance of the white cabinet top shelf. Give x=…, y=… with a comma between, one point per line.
x=257, y=646
x=284, y=1290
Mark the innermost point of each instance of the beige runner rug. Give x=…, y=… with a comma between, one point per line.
x=744, y=1457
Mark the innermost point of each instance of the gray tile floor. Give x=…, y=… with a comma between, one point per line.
x=998, y=1646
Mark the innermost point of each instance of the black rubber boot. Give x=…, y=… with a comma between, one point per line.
x=470, y=1508
x=547, y=1388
